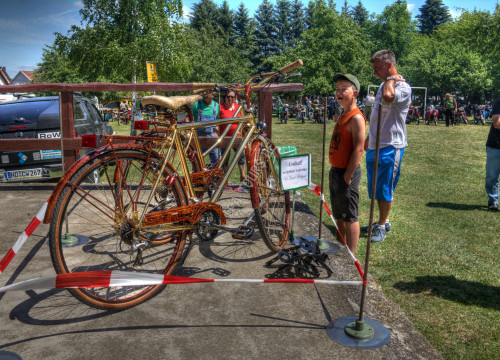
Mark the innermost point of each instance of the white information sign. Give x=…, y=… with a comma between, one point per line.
x=295, y=171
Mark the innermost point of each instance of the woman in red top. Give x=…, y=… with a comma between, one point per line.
x=228, y=109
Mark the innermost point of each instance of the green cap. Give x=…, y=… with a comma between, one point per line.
x=347, y=77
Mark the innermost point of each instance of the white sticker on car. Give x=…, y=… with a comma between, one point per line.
x=50, y=135
x=5, y=159
x=50, y=154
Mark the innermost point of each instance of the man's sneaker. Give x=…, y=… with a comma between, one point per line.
x=378, y=233
x=493, y=207
x=387, y=227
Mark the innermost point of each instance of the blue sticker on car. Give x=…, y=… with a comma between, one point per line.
x=22, y=158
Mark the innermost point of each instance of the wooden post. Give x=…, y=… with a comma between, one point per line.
x=266, y=110
x=67, y=122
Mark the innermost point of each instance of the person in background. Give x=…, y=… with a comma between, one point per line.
x=369, y=101
x=229, y=109
x=493, y=159
x=346, y=150
x=450, y=107
x=394, y=96
x=207, y=109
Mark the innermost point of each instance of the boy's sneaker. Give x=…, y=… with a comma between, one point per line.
x=378, y=233
x=493, y=207
x=387, y=227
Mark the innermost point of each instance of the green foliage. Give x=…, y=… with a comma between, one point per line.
x=328, y=48
x=213, y=59
x=393, y=29
x=283, y=20
x=360, y=14
x=266, y=32
x=297, y=23
x=432, y=14
x=447, y=66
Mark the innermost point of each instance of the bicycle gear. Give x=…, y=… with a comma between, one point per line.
x=204, y=229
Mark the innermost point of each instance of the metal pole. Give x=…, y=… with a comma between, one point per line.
x=322, y=175
x=372, y=206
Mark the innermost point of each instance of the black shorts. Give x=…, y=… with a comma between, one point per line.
x=344, y=198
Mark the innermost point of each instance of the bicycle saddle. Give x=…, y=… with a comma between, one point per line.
x=171, y=102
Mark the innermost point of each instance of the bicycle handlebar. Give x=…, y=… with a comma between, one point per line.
x=204, y=87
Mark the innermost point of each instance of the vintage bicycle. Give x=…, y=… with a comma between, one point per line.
x=141, y=214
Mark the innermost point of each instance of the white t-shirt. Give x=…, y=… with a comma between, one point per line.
x=393, y=126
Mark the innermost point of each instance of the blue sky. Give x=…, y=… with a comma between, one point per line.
x=27, y=26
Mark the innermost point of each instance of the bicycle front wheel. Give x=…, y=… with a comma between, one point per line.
x=96, y=227
x=271, y=205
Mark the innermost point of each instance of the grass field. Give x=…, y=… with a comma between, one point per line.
x=440, y=262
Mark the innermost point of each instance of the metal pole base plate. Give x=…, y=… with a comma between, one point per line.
x=341, y=330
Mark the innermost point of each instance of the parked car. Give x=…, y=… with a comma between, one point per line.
x=38, y=118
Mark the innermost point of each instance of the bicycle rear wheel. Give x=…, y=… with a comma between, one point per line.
x=101, y=218
x=271, y=205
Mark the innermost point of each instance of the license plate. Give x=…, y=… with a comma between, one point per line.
x=24, y=174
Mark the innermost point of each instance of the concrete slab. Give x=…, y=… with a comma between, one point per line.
x=196, y=321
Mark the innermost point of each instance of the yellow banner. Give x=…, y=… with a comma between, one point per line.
x=151, y=70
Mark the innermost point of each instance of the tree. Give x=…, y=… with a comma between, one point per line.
x=56, y=67
x=205, y=13
x=218, y=62
x=334, y=44
x=119, y=37
x=360, y=14
x=282, y=15
x=445, y=66
x=226, y=22
x=297, y=23
x=266, y=31
x=393, y=29
x=432, y=14
x=345, y=9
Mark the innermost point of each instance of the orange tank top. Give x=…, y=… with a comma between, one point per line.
x=341, y=146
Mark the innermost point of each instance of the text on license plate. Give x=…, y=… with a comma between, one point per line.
x=22, y=174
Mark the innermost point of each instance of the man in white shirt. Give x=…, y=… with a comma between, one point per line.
x=395, y=96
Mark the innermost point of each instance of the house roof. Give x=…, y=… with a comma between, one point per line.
x=29, y=74
x=4, y=76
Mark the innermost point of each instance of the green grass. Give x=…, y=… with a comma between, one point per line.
x=440, y=262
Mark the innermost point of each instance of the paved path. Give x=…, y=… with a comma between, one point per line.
x=195, y=321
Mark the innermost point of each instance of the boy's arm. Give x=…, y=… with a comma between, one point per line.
x=357, y=129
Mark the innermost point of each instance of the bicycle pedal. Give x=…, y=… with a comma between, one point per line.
x=243, y=233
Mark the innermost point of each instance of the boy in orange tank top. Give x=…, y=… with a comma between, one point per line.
x=346, y=150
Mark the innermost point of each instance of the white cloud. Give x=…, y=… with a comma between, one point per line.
x=410, y=8
x=186, y=11
x=455, y=13
x=9, y=26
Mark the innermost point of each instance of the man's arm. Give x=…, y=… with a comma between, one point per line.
x=389, y=90
x=496, y=121
x=357, y=129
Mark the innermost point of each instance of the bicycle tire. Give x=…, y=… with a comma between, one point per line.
x=100, y=221
x=271, y=205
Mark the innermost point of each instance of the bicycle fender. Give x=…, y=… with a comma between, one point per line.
x=74, y=168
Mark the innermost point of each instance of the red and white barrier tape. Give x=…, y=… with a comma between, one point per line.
x=317, y=190
x=92, y=279
x=23, y=237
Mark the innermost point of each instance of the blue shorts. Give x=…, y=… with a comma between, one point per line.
x=389, y=168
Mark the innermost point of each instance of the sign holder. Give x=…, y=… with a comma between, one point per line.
x=295, y=173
